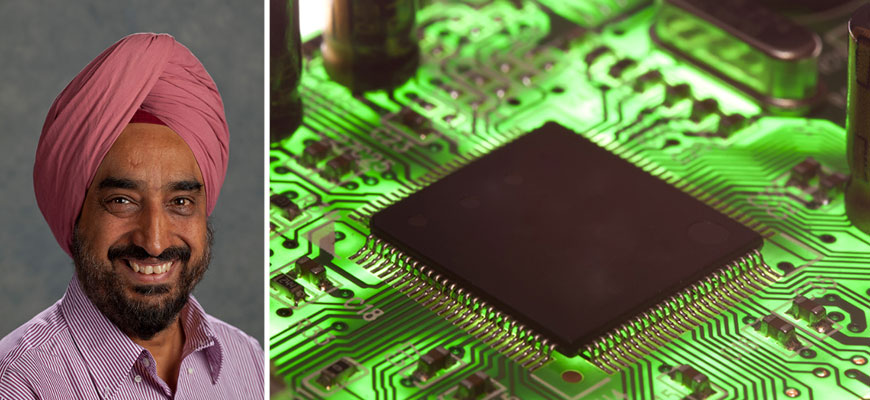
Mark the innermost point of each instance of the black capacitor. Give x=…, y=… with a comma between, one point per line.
x=371, y=44
x=858, y=120
x=285, y=63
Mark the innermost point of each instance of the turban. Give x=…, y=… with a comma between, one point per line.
x=144, y=71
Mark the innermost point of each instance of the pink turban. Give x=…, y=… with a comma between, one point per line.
x=148, y=71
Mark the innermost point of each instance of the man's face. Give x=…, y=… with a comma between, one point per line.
x=142, y=240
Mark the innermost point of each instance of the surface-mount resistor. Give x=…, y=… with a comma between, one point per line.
x=285, y=285
x=812, y=312
x=433, y=361
x=695, y=381
x=312, y=271
x=780, y=330
x=337, y=373
x=474, y=386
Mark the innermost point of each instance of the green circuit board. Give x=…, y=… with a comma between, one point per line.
x=490, y=72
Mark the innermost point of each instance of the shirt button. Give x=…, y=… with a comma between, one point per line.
x=146, y=363
x=137, y=378
x=189, y=371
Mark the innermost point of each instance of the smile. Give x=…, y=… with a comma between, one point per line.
x=150, y=268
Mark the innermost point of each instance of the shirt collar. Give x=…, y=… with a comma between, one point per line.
x=110, y=355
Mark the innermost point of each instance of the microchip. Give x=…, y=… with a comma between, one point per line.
x=562, y=235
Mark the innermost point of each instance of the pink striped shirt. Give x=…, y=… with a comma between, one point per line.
x=72, y=351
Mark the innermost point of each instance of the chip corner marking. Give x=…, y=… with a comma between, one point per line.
x=682, y=312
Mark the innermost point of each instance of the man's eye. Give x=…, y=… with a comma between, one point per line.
x=119, y=204
x=181, y=202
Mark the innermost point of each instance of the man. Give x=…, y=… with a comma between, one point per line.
x=130, y=163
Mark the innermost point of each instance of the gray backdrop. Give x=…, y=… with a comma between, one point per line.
x=43, y=45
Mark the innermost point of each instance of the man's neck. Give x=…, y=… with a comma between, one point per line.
x=166, y=348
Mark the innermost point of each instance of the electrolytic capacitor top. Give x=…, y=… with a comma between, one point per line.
x=858, y=120
x=285, y=63
x=371, y=44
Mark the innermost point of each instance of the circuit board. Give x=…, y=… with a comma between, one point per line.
x=767, y=299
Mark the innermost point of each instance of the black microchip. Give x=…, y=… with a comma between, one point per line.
x=564, y=236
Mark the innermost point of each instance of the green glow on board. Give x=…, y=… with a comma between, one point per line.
x=484, y=80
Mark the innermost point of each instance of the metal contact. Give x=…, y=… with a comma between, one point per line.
x=453, y=303
x=683, y=311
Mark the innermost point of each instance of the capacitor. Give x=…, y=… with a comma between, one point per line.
x=858, y=120
x=285, y=63
x=371, y=44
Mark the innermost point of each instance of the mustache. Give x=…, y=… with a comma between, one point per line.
x=136, y=252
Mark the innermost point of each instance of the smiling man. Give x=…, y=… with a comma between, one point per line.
x=128, y=168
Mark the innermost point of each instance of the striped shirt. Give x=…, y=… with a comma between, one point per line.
x=72, y=351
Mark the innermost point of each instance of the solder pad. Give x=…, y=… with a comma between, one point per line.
x=564, y=236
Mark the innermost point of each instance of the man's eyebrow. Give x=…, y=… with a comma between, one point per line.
x=118, y=183
x=185, y=186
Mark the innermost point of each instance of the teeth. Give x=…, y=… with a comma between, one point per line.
x=150, y=269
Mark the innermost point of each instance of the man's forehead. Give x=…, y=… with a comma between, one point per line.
x=149, y=154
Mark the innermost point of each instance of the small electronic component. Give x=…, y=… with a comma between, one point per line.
x=761, y=52
x=731, y=123
x=433, y=361
x=676, y=93
x=595, y=54
x=805, y=171
x=621, y=66
x=474, y=386
x=812, y=312
x=288, y=287
x=313, y=153
x=337, y=373
x=625, y=255
x=780, y=330
x=833, y=182
x=369, y=45
x=414, y=121
x=283, y=202
x=816, y=181
x=338, y=167
x=695, y=381
x=857, y=123
x=312, y=271
x=648, y=80
x=703, y=108
x=285, y=68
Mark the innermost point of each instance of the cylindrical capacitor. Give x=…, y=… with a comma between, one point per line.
x=371, y=44
x=285, y=63
x=858, y=120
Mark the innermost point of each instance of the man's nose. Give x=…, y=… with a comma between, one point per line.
x=153, y=230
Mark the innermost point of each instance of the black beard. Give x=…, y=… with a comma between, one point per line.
x=137, y=318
